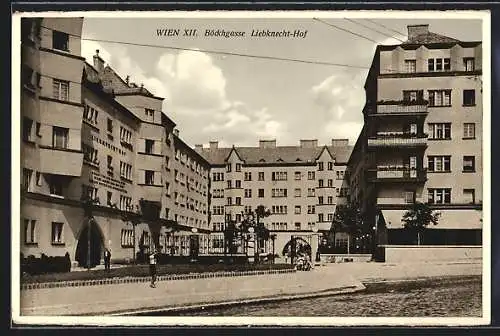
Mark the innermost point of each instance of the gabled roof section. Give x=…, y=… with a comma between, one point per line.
x=288, y=154
x=233, y=149
x=321, y=153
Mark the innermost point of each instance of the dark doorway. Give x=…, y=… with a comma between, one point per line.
x=96, y=245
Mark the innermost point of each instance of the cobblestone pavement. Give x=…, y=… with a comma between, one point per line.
x=98, y=300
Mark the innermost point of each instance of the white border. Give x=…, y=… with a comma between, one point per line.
x=256, y=321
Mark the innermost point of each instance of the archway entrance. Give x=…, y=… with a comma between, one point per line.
x=296, y=246
x=96, y=246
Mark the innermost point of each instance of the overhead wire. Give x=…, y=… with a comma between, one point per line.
x=375, y=30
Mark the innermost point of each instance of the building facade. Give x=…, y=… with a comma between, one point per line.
x=422, y=139
x=103, y=167
x=300, y=186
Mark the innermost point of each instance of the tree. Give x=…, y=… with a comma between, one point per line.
x=347, y=218
x=418, y=217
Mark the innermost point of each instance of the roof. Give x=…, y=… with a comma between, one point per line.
x=120, y=87
x=430, y=37
x=278, y=154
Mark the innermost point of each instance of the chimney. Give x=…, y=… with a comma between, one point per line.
x=214, y=144
x=98, y=62
x=127, y=79
x=340, y=142
x=267, y=143
x=415, y=30
x=176, y=132
x=309, y=143
x=198, y=147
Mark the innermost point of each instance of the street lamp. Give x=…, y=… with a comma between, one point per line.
x=318, y=257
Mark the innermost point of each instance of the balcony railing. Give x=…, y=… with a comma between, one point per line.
x=51, y=159
x=400, y=107
x=397, y=174
x=398, y=139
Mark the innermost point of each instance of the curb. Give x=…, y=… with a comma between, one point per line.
x=170, y=277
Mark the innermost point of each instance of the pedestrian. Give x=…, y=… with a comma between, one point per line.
x=152, y=268
x=107, y=259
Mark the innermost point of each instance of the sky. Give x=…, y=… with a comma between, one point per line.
x=240, y=100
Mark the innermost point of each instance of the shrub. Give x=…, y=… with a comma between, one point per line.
x=45, y=264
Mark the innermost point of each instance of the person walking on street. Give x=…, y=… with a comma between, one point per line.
x=107, y=259
x=152, y=268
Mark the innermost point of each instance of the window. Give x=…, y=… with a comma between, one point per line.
x=125, y=203
x=38, y=126
x=60, y=40
x=57, y=233
x=261, y=192
x=330, y=183
x=469, y=64
x=310, y=192
x=329, y=217
x=238, y=167
x=59, y=137
x=261, y=176
x=60, y=89
x=330, y=199
x=218, y=176
x=27, y=129
x=297, y=192
x=237, y=183
x=320, y=183
x=279, y=176
x=125, y=170
x=438, y=64
x=439, y=98
x=330, y=165
x=127, y=237
x=439, y=163
x=413, y=95
x=439, y=131
x=109, y=198
x=340, y=174
x=470, y=196
x=469, y=130
x=228, y=167
x=297, y=176
x=320, y=166
x=410, y=65
x=469, y=164
x=248, y=176
x=27, y=173
x=297, y=209
x=321, y=217
x=110, y=165
x=469, y=98
x=297, y=226
x=248, y=193
x=238, y=200
x=149, y=146
x=218, y=210
x=56, y=185
x=38, y=178
x=110, y=125
x=278, y=192
x=320, y=200
x=439, y=196
x=311, y=209
x=409, y=197
x=29, y=231
x=248, y=209
x=149, y=177
x=149, y=112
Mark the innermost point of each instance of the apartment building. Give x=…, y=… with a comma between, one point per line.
x=87, y=134
x=299, y=185
x=422, y=139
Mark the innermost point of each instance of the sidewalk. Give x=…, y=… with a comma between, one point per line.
x=107, y=299
x=328, y=279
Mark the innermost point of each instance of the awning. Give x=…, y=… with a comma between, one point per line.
x=449, y=219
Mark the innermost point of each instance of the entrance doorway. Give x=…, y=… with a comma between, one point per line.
x=96, y=246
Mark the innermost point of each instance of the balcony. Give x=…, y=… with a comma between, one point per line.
x=58, y=161
x=398, y=139
x=151, y=192
x=396, y=174
x=399, y=108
